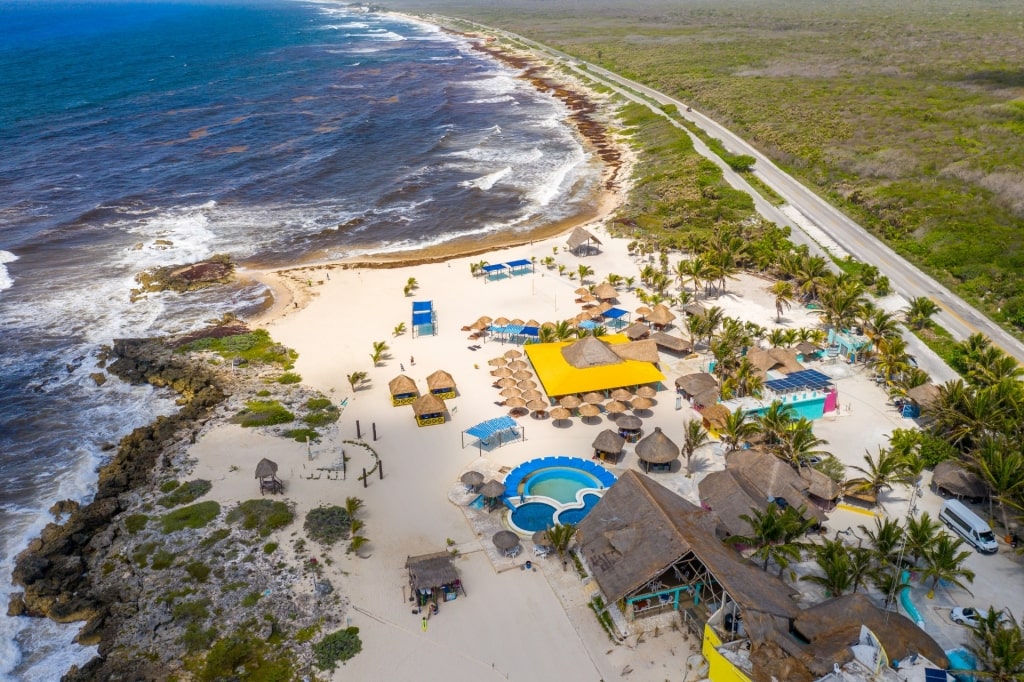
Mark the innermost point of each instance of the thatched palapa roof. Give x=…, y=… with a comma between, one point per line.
x=579, y=237
x=492, y=489
x=698, y=382
x=428, y=571
x=661, y=315
x=806, y=348
x=642, y=351
x=630, y=422
x=590, y=352
x=605, y=291
x=637, y=331
x=428, y=404
x=440, y=379
x=671, y=343
x=694, y=309
x=924, y=395
x=952, y=476
x=778, y=359
x=609, y=441
x=715, y=415
x=402, y=385
x=266, y=468
x=820, y=485
x=640, y=528
x=657, y=448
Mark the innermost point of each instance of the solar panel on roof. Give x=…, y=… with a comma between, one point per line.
x=933, y=675
x=808, y=379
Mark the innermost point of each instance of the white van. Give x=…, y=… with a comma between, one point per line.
x=957, y=516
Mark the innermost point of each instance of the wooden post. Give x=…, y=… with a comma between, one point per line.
x=374, y=426
x=359, y=433
x=380, y=469
x=364, y=477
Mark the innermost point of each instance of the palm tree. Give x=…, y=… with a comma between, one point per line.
x=737, y=428
x=694, y=437
x=584, y=271
x=352, y=506
x=921, y=533
x=379, y=349
x=355, y=378
x=776, y=338
x=881, y=472
x=885, y=538
x=773, y=534
x=477, y=268
x=944, y=561
x=411, y=285
x=798, y=442
x=774, y=421
x=1002, y=468
x=747, y=380
x=998, y=647
x=833, y=559
x=811, y=274
x=399, y=329
x=784, y=294
x=356, y=543
x=698, y=270
x=560, y=536
x=920, y=311
x=564, y=330
x=891, y=358
x=888, y=580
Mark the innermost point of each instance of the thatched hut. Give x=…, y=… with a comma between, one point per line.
x=714, y=417
x=661, y=316
x=266, y=472
x=429, y=410
x=433, y=576
x=821, y=489
x=580, y=241
x=952, y=478
x=441, y=384
x=630, y=428
x=694, y=309
x=608, y=445
x=590, y=352
x=778, y=359
x=637, y=331
x=642, y=351
x=924, y=396
x=671, y=344
x=657, y=451
x=700, y=388
x=606, y=292
x=492, y=492
x=403, y=390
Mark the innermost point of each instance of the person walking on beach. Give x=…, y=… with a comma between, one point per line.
x=424, y=623
x=412, y=361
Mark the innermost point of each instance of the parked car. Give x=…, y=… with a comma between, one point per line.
x=967, y=615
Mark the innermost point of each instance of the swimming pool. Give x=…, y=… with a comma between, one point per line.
x=553, y=490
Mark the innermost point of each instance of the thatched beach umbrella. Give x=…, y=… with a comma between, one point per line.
x=657, y=449
x=589, y=410
x=615, y=407
x=513, y=354
x=533, y=394
x=560, y=413
x=570, y=401
x=507, y=382
x=515, y=402
x=548, y=325
x=501, y=321
x=266, y=468
x=485, y=319
x=505, y=540
x=532, y=323
x=643, y=310
x=540, y=538
x=518, y=322
x=581, y=291
x=518, y=364
x=527, y=385
x=639, y=403
x=593, y=397
x=661, y=315
x=472, y=479
x=480, y=325
x=501, y=372
x=497, y=362
x=522, y=374
x=622, y=394
x=510, y=392
x=537, y=406
x=646, y=392
x=606, y=291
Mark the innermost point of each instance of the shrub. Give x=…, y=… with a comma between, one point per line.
x=161, y=560
x=214, y=537
x=289, y=378
x=300, y=435
x=307, y=634
x=264, y=413
x=318, y=403
x=242, y=650
x=265, y=516
x=337, y=647
x=141, y=554
x=193, y=516
x=191, y=611
x=135, y=522
x=327, y=525
x=249, y=600
x=168, y=486
x=262, y=393
x=185, y=493
x=198, y=570
x=256, y=346
x=321, y=418
x=269, y=548
x=196, y=639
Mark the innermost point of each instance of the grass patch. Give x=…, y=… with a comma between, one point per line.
x=264, y=516
x=262, y=393
x=251, y=599
x=133, y=523
x=264, y=413
x=255, y=346
x=231, y=587
x=141, y=554
x=191, y=611
x=940, y=341
x=337, y=647
x=315, y=419
x=328, y=525
x=161, y=560
x=193, y=516
x=185, y=493
x=319, y=404
x=289, y=378
x=307, y=634
x=603, y=617
x=196, y=639
x=300, y=435
x=198, y=571
x=240, y=655
x=270, y=548
x=214, y=537
x=168, y=486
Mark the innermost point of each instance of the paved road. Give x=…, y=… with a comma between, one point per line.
x=956, y=315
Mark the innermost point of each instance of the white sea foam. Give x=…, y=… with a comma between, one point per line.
x=387, y=35
x=179, y=235
x=485, y=182
x=6, y=282
x=494, y=100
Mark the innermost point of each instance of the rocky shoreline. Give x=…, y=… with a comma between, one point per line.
x=154, y=596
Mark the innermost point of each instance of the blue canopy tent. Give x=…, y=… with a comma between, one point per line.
x=495, y=271
x=614, y=317
x=424, y=318
x=515, y=333
x=485, y=431
x=519, y=267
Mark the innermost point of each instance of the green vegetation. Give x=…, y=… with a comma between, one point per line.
x=318, y=403
x=264, y=516
x=270, y=548
x=264, y=413
x=256, y=346
x=289, y=378
x=194, y=516
x=300, y=435
x=214, y=537
x=603, y=617
x=133, y=523
x=198, y=571
x=241, y=655
x=185, y=493
x=322, y=418
x=250, y=600
x=337, y=647
x=161, y=559
x=327, y=525
x=307, y=634
x=168, y=486
x=141, y=554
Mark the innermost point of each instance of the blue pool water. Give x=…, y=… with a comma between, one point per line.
x=559, y=483
x=549, y=489
x=961, y=659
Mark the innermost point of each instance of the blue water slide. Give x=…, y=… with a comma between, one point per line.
x=908, y=605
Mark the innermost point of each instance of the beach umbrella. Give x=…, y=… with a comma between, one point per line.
x=570, y=401
x=532, y=323
x=622, y=394
x=646, y=392
x=510, y=392
x=606, y=290
x=502, y=372
x=507, y=382
x=485, y=319
x=518, y=364
x=515, y=402
x=527, y=385
x=604, y=307
x=582, y=291
x=616, y=407
x=548, y=325
x=533, y=394
x=560, y=413
x=501, y=321
x=589, y=410
x=537, y=406
x=540, y=538
x=644, y=310
x=473, y=478
x=497, y=362
x=479, y=325
x=642, y=403
x=513, y=354
x=492, y=489
x=505, y=540
x=593, y=397
x=523, y=374
x=518, y=322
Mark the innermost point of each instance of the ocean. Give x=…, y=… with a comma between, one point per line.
x=139, y=134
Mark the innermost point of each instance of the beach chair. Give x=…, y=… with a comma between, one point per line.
x=513, y=552
x=541, y=551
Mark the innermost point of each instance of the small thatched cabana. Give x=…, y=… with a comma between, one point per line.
x=266, y=472
x=951, y=476
x=694, y=309
x=661, y=316
x=429, y=410
x=403, y=390
x=821, y=489
x=714, y=417
x=507, y=542
x=580, y=241
x=630, y=428
x=433, y=577
x=700, y=387
x=924, y=396
x=608, y=445
x=637, y=331
x=671, y=344
x=778, y=359
x=441, y=384
x=657, y=451
x=492, y=492
x=472, y=480
x=606, y=292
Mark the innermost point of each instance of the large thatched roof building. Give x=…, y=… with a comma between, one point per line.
x=777, y=359
x=955, y=479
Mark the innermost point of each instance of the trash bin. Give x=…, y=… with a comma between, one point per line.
x=529, y=565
